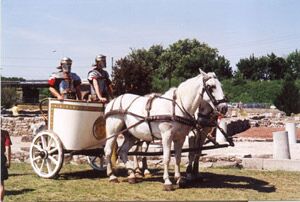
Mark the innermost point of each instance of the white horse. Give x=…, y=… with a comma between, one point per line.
x=174, y=119
x=206, y=117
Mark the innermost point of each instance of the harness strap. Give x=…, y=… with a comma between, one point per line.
x=174, y=102
x=190, y=121
x=130, y=103
x=148, y=108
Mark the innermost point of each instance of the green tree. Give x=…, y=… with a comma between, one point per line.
x=293, y=62
x=130, y=76
x=288, y=99
x=12, y=78
x=277, y=67
x=183, y=59
x=167, y=67
x=247, y=68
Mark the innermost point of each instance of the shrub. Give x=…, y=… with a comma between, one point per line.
x=288, y=100
x=8, y=97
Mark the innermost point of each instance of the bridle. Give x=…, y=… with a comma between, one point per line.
x=208, y=90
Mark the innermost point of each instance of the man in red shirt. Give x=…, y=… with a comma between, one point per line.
x=5, y=159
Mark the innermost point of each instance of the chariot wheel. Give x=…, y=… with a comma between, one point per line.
x=97, y=162
x=46, y=154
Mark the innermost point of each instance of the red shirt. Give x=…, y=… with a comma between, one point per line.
x=5, y=140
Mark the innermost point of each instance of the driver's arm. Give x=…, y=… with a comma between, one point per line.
x=55, y=93
x=97, y=89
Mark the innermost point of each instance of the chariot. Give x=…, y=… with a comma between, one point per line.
x=75, y=128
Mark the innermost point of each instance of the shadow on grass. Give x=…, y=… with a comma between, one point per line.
x=94, y=174
x=17, y=192
x=207, y=180
x=217, y=181
x=77, y=175
x=19, y=174
x=212, y=180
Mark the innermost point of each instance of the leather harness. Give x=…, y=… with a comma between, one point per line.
x=190, y=121
x=151, y=118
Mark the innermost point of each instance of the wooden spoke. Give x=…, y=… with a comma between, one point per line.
x=53, y=160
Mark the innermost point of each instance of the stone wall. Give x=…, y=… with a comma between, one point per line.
x=20, y=125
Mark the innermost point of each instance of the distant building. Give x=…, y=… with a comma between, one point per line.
x=30, y=89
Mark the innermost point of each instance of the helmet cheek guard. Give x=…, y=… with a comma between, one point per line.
x=66, y=68
x=101, y=59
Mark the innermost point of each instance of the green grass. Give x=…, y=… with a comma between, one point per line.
x=80, y=183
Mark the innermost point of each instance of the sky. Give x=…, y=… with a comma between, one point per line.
x=36, y=34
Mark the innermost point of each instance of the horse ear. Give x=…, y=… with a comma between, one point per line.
x=202, y=72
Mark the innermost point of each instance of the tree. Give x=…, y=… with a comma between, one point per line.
x=268, y=67
x=277, y=67
x=288, y=99
x=247, y=68
x=130, y=76
x=12, y=78
x=168, y=67
x=293, y=62
x=184, y=58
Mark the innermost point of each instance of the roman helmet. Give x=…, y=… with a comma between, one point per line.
x=65, y=64
x=101, y=59
x=66, y=60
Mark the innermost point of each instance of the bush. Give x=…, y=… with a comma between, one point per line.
x=8, y=97
x=252, y=91
x=288, y=100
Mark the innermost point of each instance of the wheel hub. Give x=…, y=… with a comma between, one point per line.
x=44, y=154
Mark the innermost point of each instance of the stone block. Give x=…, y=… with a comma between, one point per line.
x=282, y=164
x=252, y=163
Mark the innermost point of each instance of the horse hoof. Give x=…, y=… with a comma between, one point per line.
x=148, y=175
x=115, y=180
x=168, y=187
x=131, y=180
x=138, y=177
x=182, y=183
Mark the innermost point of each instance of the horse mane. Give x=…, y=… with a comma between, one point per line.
x=169, y=93
x=188, y=82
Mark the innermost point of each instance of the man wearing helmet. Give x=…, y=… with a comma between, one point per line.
x=101, y=88
x=65, y=84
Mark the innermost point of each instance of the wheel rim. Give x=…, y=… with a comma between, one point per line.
x=97, y=162
x=46, y=154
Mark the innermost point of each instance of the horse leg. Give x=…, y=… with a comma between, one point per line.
x=191, y=155
x=144, y=163
x=108, y=149
x=113, y=127
x=199, y=141
x=123, y=153
x=178, y=148
x=166, y=143
x=137, y=171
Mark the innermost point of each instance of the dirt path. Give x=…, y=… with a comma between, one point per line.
x=263, y=132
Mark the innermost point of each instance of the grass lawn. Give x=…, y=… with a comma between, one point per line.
x=80, y=183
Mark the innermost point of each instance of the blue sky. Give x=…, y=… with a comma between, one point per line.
x=35, y=34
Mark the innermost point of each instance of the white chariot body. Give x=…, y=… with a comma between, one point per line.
x=75, y=127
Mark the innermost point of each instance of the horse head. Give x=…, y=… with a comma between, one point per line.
x=213, y=93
